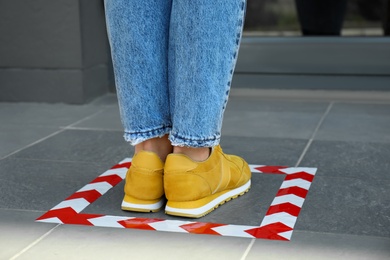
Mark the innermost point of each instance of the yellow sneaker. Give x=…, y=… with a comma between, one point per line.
x=144, y=188
x=193, y=189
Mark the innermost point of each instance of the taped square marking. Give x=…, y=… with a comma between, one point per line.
x=278, y=223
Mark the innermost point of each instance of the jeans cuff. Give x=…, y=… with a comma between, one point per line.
x=135, y=138
x=177, y=140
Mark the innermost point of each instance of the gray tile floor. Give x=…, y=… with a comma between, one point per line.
x=48, y=151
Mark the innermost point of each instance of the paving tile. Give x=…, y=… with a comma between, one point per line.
x=26, y=114
x=346, y=109
x=14, y=137
x=350, y=159
x=260, y=124
x=308, y=245
x=108, y=119
x=18, y=230
x=40, y=185
x=265, y=151
x=352, y=82
x=357, y=122
x=110, y=243
x=264, y=105
x=105, y=100
x=82, y=146
x=272, y=119
x=347, y=206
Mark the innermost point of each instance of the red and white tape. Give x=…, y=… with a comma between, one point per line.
x=278, y=223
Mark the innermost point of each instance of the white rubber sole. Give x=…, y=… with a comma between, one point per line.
x=207, y=208
x=143, y=207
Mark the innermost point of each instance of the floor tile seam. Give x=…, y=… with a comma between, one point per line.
x=50, y=135
x=244, y=114
x=367, y=180
x=319, y=124
x=264, y=137
x=92, y=129
x=34, y=243
x=251, y=115
x=26, y=125
x=51, y=160
x=248, y=249
x=23, y=210
x=313, y=101
x=312, y=95
x=342, y=140
x=87, y=117
x=11, y=124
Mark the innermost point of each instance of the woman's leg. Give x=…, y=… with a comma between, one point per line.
x=204, y=38
x=138, y=34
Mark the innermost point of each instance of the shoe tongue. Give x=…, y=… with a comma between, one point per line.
x=179, y=162
x=149, y=159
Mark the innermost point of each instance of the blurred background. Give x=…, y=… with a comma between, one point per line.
x=288, y=17
x=57, y=50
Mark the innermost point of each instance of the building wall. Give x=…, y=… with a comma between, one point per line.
x=53, y=51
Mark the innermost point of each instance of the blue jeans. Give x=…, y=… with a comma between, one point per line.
x=173, y=63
